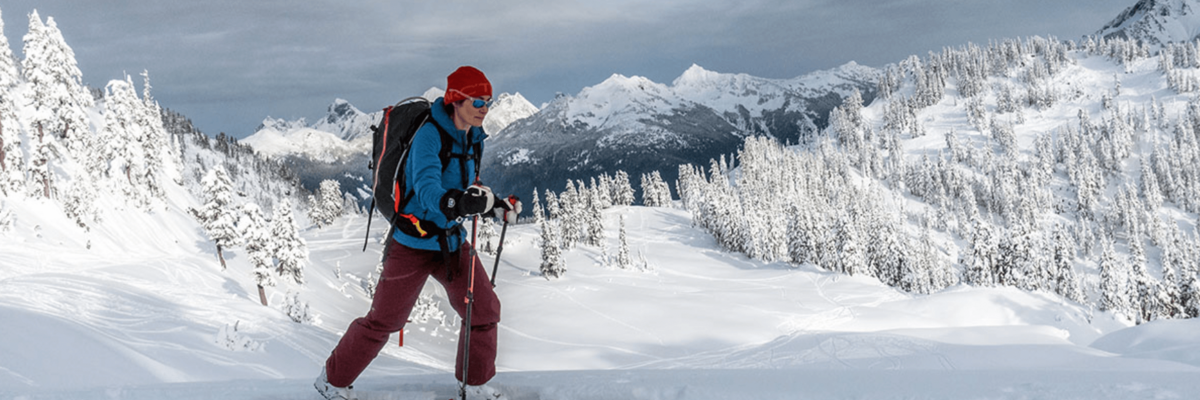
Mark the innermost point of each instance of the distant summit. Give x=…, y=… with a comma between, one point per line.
x=1156, y=22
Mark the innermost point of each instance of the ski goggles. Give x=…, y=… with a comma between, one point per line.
x=475, y=101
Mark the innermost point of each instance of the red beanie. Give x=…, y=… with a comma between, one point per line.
x=466, y=82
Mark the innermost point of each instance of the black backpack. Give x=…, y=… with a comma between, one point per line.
x=390, y=142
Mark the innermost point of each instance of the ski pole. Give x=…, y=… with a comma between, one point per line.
x=470, y=300
x=499, y=249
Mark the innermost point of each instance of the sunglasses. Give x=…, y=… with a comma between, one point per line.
x=475, y=101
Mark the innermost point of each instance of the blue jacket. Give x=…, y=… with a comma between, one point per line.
x=429, y=182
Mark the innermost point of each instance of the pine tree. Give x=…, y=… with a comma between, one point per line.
x=120, y=141
x=12, y=156
x=1066, y=281
x=538, y=214
x=326, y=205
x=595, y=220
x=290, y=251
x=553, y=209
x=552, y=261
x=571, y=219
x=58, y=96
x=252, y=227
x=623, y=259
x=156, y=144
x=1174, y=261
x=622, y=190
x=1114, y=276
x=981, y=260
x=216, y=214
x=487, y=233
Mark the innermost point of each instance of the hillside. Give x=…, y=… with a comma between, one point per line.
x=1016, y=220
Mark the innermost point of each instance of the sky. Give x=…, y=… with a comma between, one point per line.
x=228, y=64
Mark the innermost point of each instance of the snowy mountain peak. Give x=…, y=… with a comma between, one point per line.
x=1156, y=22
x=508, y=108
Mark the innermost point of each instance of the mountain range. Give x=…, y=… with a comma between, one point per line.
x=623, y=123
x=1156, y=22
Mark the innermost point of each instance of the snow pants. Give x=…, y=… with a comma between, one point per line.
x=405, y=271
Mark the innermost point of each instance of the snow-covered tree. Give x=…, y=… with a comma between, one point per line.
x=1114, y=278
x=552, y=261
x=981, y=260
x=623, y=259
x=326, y=205
x=595, y=220
x=539, y=214
x=12, y=158
x=253, y=228
x=487, y=233
x=156, y=144
x=655, y=192
x=58, y=97
x=621, y=189
x=217, y=214
x=289, y=249
x=1063, y=257
x=571, y=219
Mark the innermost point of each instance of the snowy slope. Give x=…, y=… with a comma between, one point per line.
x=696, y=323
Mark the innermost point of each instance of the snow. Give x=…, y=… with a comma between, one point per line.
x=125, y=320
x=316, y=144
x=346, y=131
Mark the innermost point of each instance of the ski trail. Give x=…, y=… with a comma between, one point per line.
x=507, y=328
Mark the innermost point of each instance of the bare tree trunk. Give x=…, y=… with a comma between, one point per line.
x=2, y=166
x=46, y=176
x=221, y=256
x=262, y=295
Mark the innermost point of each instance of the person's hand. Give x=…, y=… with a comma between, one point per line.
x=507, y=209
x=477, y=199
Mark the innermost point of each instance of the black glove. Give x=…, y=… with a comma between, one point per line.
x=508, y=209
x=457, y=204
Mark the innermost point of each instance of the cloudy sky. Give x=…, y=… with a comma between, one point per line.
x=227, y=64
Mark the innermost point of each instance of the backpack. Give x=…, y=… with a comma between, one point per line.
x=391, y=141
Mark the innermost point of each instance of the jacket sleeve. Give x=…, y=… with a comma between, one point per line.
x=425, y=168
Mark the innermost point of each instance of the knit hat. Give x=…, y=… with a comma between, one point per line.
x=466, y=81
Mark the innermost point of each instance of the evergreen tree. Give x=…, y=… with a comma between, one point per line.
x=553, y=210
x=156, y=144
x=981, y=259
x=1144, y=290
x=1174, y=258
x=538, y=215
x=595, y=220
x=1066, y=281
x=622, y=190
x=487, y=233
x=12, y=156
x=326, y=205
x=552, y=261
x=59, y=98
x=252, y=227
x=655, y=192
x=1150, y=188
x=623, y=259
x=1114, y=277
x=216, y=214
x=290, y=251
x=119, y=142
x=603, y=187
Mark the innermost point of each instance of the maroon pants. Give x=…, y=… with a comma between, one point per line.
x=405, y=271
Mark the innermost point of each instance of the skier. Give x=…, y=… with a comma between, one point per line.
x=429, y=240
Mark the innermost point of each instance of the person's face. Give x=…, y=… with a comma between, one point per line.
x=469, y=115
